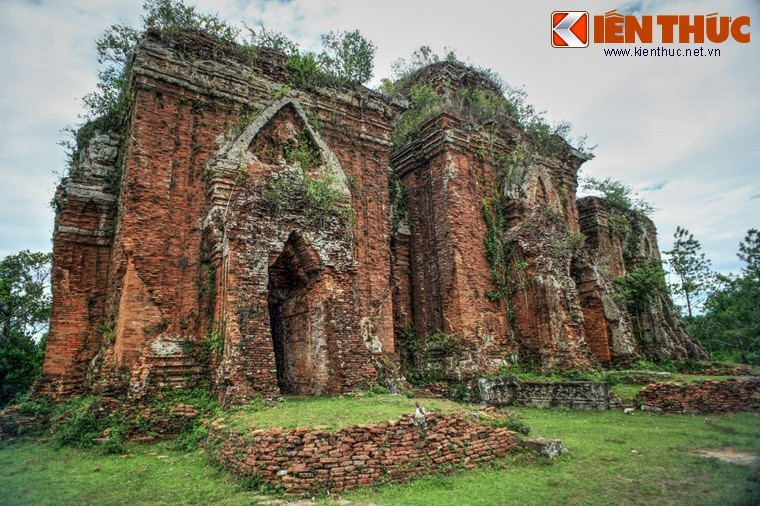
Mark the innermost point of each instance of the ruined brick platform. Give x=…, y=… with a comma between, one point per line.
x=306, y=461
x=727, y=396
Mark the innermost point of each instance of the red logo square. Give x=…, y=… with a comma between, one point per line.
x=570, y=29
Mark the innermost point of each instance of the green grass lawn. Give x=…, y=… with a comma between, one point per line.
x=614, y=458
x=37, y=473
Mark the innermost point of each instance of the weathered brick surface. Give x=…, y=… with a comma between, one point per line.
x=312, y=461
x=212, y=238
x=84, y=221
x=703, y=397
x=449, y=270
x=616, y=243
x=606, y=321
x=447, y=177
x=157, y=277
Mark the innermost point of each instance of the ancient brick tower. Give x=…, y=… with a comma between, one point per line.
x=274, y=240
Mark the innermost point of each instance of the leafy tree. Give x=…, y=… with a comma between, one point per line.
x=618, y=195
x=639, y=287
x=731, y=322
x=24, y=316
x=347, y=56
x=692, y=269
x=117, y=45
x=263, y=37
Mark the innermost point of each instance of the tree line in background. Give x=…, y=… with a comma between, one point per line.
x=721, y=311
x=24, y=317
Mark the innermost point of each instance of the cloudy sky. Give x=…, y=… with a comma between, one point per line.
x=683, y=132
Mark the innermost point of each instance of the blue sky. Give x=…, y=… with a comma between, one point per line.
x=683, y=132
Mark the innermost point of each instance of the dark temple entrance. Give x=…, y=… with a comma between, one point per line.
x=297, y=351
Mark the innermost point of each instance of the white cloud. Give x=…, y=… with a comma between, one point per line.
x=690, y=122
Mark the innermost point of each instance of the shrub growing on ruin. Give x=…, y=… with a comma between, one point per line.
x=640, y=286
x=304, y=70
x=424, y=104
x=482, y=106
x=263, y=37
x=347, y=56
x=303, y=153
x=618, y=195
x=420, y=58
x=80, y=421
x=320, y=193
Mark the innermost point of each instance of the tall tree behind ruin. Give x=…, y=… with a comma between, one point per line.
x=731, y=323
x=694, y=278
x=24, y=317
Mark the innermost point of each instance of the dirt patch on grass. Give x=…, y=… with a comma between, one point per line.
x=730, y=455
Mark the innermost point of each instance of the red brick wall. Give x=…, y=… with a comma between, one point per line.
x=157, y=254
x=445, y=187
x=83, y=231
x=313, y=461
x=616, y=243
x=703, y=397
x=448, y=170
x=401, y=285
x=182, y=109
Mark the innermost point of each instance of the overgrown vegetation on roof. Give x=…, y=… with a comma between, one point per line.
x=618, y=195
x=496, y=105
x=347, y=57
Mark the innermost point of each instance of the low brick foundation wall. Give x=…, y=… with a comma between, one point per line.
x=703, y=397
x=508, y=391
x=14, y=423
x=306, y=461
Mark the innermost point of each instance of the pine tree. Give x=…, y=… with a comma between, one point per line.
x=732, y=311
x=749, y=252
x=694, y=278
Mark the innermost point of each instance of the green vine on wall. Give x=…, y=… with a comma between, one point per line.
x=498, y=252
x=638, y=288
x=422, y=363
x=318, y=192
x=303, y=152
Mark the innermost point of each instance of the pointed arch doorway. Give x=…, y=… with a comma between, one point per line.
x=296, y=319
